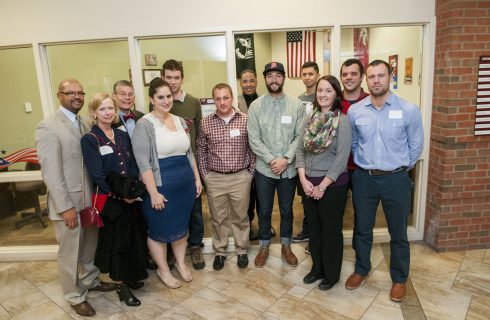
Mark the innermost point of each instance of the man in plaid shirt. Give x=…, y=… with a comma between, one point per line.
x=227, y=166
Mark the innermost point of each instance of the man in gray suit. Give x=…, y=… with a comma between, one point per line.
x=58, y=146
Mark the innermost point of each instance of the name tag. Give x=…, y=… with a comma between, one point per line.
x=395, y=114
x=234, y=133
x=308, y=107
x=123, y=128
x=286, y=119
x=105, y=150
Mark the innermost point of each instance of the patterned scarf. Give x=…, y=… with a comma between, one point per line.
x=320, y=130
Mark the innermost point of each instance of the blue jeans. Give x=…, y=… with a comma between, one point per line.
x=266, y=188
x=394, y=191
x=196, y=224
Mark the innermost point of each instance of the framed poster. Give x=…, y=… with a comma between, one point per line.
x=393, y=61
x=150, y=74
x=408, y=78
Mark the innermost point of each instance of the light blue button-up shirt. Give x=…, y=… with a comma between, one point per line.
x=127, y=125
x=71, y=116
x=389, y=138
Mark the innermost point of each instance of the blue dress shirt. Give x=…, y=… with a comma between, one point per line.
x=389, y=138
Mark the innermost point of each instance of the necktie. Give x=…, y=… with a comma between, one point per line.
x=78, y=123
x=130, y=115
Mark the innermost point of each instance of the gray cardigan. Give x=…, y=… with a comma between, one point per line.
x=331, y=162
x=145, y=149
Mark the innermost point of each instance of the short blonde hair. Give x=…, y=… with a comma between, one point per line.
x=95, y=102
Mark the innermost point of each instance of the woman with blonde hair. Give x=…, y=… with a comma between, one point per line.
x=108, y=156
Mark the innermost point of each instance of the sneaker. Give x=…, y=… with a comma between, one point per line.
x=301, y=238
x=197, y=258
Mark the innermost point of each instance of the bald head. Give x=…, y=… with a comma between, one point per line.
x=71, y=95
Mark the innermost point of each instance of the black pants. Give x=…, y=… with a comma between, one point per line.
x=325, y=227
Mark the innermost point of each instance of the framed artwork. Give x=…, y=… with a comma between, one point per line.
x=393, y=61
x=408, y=71
x=150, y=74
x=151, y=59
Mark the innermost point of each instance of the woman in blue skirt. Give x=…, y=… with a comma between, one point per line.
x=167, y=166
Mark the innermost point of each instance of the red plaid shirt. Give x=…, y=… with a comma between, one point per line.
x=224, y=147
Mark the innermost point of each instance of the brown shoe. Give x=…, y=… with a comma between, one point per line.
x=261, y=257
x=288, y=254
x=354, y=281
x=398, y=292
x=197, y=259
x=84, y=309
x=104, y=287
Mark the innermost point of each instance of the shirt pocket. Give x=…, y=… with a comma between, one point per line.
x=395, y=129
x=365, y=128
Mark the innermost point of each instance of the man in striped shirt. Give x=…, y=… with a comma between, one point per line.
x=227, y=165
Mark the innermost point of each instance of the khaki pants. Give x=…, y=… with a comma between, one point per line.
x=228, y=198
x=76, y=260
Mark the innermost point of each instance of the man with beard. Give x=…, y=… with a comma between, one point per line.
x=273, y=129
x=387, y=140
x=60, y=154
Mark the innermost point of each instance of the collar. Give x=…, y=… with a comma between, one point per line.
x=236, y=113
x=70, y=115
x=271, y=98
x=389, y=101
x=182, y=98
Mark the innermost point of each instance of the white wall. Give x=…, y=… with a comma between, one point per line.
x=32, y=21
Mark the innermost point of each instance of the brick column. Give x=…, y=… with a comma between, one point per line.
x=458, y=199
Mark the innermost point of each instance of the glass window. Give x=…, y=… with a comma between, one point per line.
x=21, y=103
x=203, y=59
x=95, y=65
x=401, y=47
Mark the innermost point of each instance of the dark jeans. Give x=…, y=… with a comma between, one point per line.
x=196, y=224
x=252, y=205
x=394, y=191
x=326, y=239
x=266, y=188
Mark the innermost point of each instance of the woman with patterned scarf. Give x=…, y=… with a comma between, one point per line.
x=321, y=160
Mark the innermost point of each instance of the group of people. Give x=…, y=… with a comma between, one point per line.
x=317, y=144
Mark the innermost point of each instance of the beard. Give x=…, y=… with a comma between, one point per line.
x=278, y=90
x=379, y=93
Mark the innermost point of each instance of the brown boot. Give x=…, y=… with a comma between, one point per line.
x=261, y=257
x=288, y=254
x=84, y=309
x=354, y=281
x=398, y=292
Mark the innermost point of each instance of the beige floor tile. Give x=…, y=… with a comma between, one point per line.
x=218, y=285
x=440, y=303
x=379, y=279
x=48, y=310
x=41, y=272
x=479, y=308
x=257, y=290
x=4, y=315
x=289, y=307
x=179, y=313
x=210, y=304
x=297, y=274
x=298, y=292
x=350, y=303
x=54, y=292
x=13, y=284
x=383, y=308
x=476, y=282
x=23, y=302
x=486, y=259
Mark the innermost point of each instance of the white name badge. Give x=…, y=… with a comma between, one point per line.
x=308, y=107
x=105, y=150
x=286, y=119
x=123, y=128
x=395, y=114
x=234, y=133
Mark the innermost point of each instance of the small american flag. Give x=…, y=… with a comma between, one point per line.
x=301, y=47
x=24, y=155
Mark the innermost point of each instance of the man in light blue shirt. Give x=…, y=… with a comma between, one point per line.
x=274, y=124
x=387, y=140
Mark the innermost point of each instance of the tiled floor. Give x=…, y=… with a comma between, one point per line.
x=451, y=285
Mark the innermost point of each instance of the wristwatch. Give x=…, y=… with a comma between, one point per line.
x=320, y=188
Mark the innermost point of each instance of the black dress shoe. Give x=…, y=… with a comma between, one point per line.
x=219, y=262
x=150, y=264
x=242, y=261
x=325, y=285
x=104, y=287
x=310, y=278
x=125, y=294
x=135, y=284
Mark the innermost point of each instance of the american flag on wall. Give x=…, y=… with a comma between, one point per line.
x=24, y=155
x=301, y=47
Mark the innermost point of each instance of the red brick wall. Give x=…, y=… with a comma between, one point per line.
x=458, y=199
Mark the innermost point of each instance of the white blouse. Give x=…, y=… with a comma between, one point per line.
x=169, y=143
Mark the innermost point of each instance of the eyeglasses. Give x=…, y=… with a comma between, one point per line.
x=73, y=94
x=124, y=94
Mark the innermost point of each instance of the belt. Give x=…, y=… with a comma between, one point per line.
x=228, y=172
x=377, y=172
